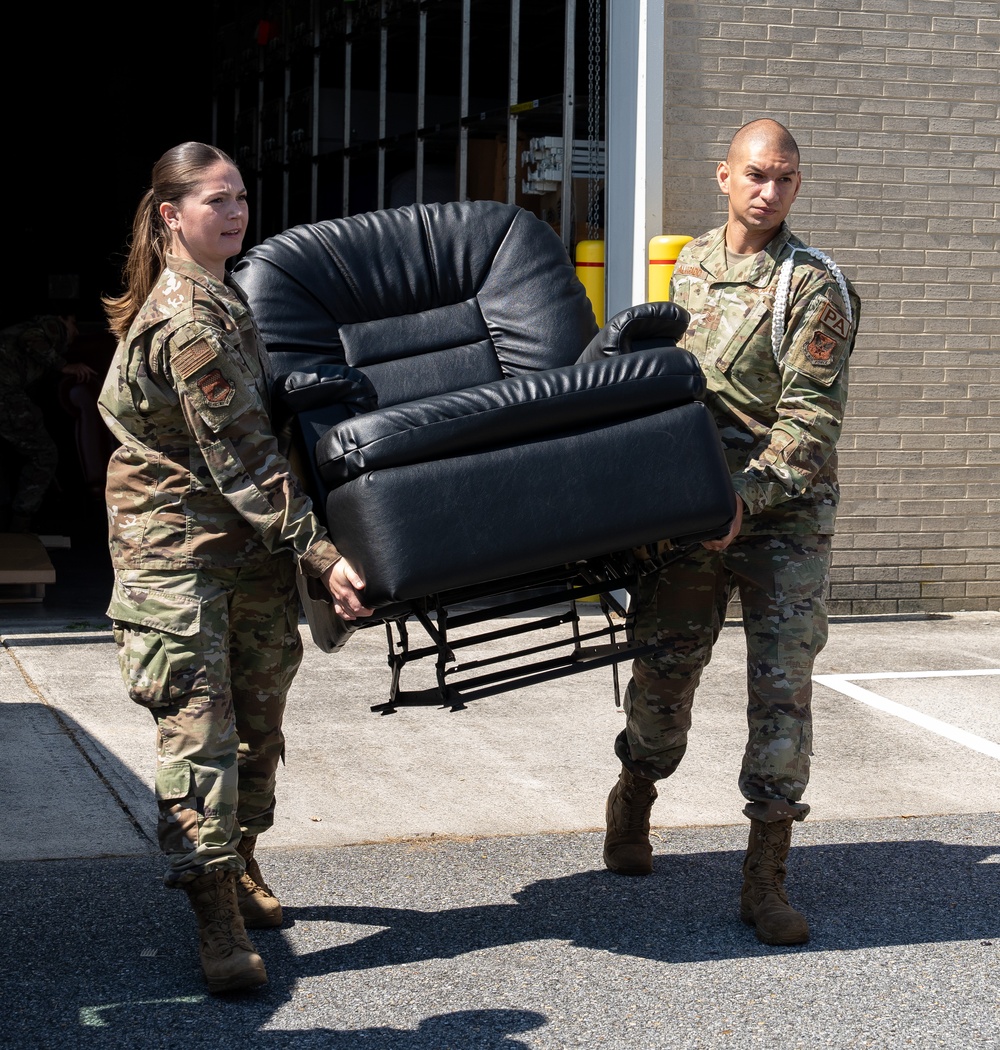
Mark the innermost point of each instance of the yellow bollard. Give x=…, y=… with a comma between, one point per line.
x=590, y=270
x=663, y=252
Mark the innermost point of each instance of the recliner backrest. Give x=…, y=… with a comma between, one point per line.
x=424, y=299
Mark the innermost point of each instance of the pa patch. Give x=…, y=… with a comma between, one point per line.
x=821, y=348
x=834, y=319
x=216, y=388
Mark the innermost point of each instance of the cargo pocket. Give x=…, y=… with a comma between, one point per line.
x=178, y=807
x=153, y=618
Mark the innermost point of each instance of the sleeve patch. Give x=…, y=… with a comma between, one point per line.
x=821, y=348
x=193, y=357
x=835, y=321
x=216, y=388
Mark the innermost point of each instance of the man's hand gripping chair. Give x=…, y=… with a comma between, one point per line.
x=478, y=447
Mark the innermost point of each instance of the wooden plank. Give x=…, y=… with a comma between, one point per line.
x=23, y=559
x=14, y=593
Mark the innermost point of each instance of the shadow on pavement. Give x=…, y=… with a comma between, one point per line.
x=97, y=953
x=186, y=1020
x=859, y=895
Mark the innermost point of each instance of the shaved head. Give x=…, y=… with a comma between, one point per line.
x=761, y=178
x=765, y=133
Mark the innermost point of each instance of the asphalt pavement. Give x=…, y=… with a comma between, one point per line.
x=441, y=870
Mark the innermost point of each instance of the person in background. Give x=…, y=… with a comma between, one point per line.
x=773, y=323
x=207, y=526
x=30, y=351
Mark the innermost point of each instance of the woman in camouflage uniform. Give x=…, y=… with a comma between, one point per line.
x=207, y=527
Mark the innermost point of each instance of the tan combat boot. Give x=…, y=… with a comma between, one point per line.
x=259, y=907
x=228, y=959
x=626, y=845
x=763, y=903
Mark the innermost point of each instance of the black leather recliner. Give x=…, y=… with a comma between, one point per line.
x=465, y=427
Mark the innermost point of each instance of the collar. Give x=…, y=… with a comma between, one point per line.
x=758, y=270
x=167, y=299
x=200, y=276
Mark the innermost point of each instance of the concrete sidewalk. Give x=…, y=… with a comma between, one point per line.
x=471, y=841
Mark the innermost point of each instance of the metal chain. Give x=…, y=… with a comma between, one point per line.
x=594, y=60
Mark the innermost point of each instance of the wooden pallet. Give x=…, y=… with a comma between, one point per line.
x=25, y=568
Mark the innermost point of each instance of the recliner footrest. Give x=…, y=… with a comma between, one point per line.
x=427, y=527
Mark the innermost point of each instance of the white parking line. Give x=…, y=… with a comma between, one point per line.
x=844, y=683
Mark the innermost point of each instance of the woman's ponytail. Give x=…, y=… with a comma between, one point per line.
x=175, y=175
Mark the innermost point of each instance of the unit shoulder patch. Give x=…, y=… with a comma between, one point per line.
x=216, y=388
x=821, y=348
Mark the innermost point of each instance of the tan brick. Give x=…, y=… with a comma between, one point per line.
x=874, y=608
x=919, y=605
x=898, y=556
x=943, y=590
x=941, y=556
x=877, y=574
x=964, y=572
x=852, y=591
x=980, y=556
x=898, y=590
x=965, y=604
x=849, y=558
x=983, y=589
x=924, y=574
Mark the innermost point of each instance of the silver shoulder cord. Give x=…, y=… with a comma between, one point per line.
x=785, y=283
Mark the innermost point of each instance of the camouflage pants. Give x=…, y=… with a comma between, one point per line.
x=23, y=426
x=212, y=655
x=782, y=585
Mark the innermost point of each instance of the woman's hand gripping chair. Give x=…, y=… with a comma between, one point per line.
x=478, y=447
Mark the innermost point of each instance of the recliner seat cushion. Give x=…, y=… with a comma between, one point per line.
x=511, y=410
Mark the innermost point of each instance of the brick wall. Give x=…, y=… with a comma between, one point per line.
x=896, y=107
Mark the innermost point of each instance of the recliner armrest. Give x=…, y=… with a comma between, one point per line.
x=308, y=403
x=641, y=327
x=327, y=385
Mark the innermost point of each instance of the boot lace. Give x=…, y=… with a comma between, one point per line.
x=219, y=932
x=636, y=801
x=252, y=882
x=770, y=869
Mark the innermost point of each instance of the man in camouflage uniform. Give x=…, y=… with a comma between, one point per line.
x=29, y=351
x=772, y=324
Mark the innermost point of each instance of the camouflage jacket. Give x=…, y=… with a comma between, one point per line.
x=199, y=481
x=779, y=410
x=30, y=349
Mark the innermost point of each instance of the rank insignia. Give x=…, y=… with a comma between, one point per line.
x=821, y=347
